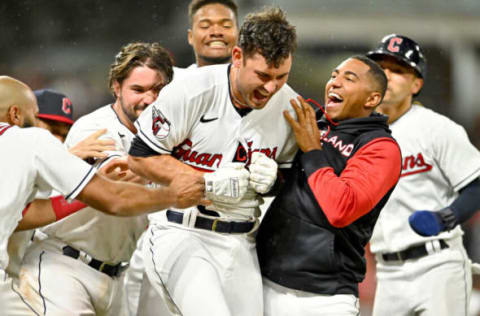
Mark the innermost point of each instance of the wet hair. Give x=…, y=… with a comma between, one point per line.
x=268, y=33
x=376, y=72
x=133, y=55
x=196, y=5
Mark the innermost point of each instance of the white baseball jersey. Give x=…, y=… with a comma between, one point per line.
x=105, y=237
x=32, y=160
x=181, y=73
x=195, y=121
x=438, y=161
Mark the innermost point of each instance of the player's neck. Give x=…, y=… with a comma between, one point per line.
x=235, y=95
x=123, y=117
x=395, y=111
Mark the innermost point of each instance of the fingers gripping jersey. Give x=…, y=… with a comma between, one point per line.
x=195, y=121
x=33, y=160
x=436, y=165
x=85, y=230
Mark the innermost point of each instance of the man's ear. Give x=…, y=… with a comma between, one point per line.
x=190, y=37
x=417, y=85
x=116, y=88
x=14, y=116
x=237, y=56
x=373, y=100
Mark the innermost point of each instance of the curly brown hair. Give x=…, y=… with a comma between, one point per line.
x=268, y=33
x=133, y=55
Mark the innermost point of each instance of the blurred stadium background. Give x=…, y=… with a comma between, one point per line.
x=68, y=45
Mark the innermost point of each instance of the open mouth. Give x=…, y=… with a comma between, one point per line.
x=334, y=99
x=259, y=95
x=217, y=44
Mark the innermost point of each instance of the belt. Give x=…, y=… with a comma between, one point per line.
x=110, y=270
x=414, y=252
x=215, y=225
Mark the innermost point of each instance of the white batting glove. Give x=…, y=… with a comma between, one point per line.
x=227, y=184
x=246, y=206
x=263, y=172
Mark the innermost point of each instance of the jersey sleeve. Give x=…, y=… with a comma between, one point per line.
x=57, y=168
x=285, y=158
x=166, y=122
x=85, y=127
x=367, y=177
x=458, y=159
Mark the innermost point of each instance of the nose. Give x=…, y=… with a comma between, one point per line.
x=336, y=82
x=216, y=30
x=271, y=86
x=149, y=97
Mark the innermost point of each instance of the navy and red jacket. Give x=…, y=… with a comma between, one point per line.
x=313, y=235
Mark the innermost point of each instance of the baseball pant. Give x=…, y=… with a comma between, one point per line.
x=203, y=273
x=281, y=301
x=59, y=285
x=134, y=277
x=12, y=302
x=438, y=284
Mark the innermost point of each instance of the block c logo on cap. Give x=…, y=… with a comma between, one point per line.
x=394, y=44
x=66, y=106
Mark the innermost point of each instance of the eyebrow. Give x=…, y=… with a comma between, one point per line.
x=269, y=76
x=348, y=72
x=210, y=20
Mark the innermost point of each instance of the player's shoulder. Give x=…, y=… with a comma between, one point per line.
x=102, y=116
x=429, y=118
x=197, y=82
x=283, y=96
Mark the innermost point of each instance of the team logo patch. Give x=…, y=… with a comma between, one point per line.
x=160, y=124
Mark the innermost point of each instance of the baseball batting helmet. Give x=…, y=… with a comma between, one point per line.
x=403, y=49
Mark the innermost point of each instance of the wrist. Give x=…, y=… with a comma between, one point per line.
x=448, y=219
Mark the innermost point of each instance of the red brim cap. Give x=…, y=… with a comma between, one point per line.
x=54, y=117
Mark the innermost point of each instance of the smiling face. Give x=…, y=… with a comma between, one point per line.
x=138, y=91
x=214, y=33
x=349, y=93
x=254, y=82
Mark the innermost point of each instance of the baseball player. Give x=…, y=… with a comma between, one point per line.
x=426, y=274
x=205, y=258
x=311, y=242
x=55, y=114
x=30, y=163
x=139, y=72
x=212, y=34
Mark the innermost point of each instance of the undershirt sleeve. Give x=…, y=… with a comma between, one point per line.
x=140, y=149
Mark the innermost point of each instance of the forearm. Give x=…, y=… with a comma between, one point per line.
x=38, y=213
x=42, y=212
x=159, y=168
x=124, y=199
x=467, y=203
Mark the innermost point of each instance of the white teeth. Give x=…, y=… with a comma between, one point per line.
x=334, y=95
x=217, y=44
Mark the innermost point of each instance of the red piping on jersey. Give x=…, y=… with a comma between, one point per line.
x=365, y=180
x=2, y=130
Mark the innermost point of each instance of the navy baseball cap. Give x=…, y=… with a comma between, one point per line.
x=54, y=106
